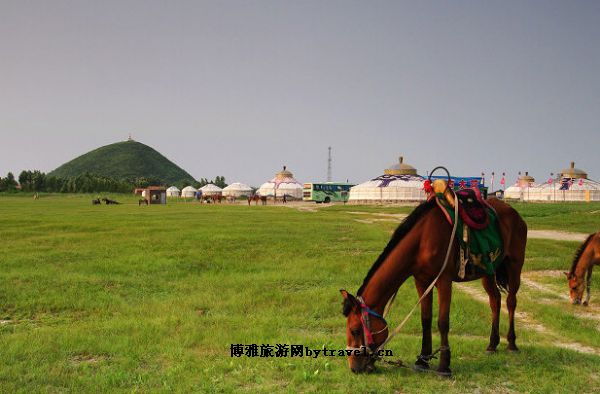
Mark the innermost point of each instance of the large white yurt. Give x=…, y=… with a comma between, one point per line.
x=211, y=190
x=399, y=182
x=237, y=189
x=572, y=184
x=173, y=192
x=522, y=188
x=189, y=192
x=284, y=183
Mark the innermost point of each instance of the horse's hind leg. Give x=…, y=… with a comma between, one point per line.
x=489, y=284
x=514, y=282
x=444, y=300
x=423, y=359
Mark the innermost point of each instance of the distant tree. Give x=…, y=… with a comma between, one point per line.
x=220, y=181
x=203, y=182
x=25, y=180
x=10, y=181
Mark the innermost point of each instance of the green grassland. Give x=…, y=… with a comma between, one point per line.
x=126, y=298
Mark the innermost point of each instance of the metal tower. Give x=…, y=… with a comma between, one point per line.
x=329, y=166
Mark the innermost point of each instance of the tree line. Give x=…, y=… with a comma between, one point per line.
x=218, y=181
x=37, y=181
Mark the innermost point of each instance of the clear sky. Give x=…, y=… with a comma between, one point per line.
x=240, y=88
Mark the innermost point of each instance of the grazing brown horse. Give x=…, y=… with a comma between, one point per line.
x=216, y=198
x=418, y=249
x=142, y=201
x=255, y=198
x=587, y=255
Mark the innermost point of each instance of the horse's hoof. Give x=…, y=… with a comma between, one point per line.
x=446, y=373
x=513, y=349
x=490, y=351
x=585, y=303
x=421, y=367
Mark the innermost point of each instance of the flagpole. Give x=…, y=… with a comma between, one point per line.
x=553, y=187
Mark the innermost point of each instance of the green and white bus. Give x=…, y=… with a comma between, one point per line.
x=326, y=192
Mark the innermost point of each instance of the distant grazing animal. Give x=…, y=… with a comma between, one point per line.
x=417, y=249
x=587, y=255
x=216, y=198
x=230, y=199
x=253, y=197
x=263, y=200
x=96, y=202
x=110, y=202
x=142, y=201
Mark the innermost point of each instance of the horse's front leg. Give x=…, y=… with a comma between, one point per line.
x=514, y=282
x=588, y=285
x=489, y=284
x=444, y=298
x=423, y=359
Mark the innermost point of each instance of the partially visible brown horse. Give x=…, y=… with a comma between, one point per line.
x=587, y=255
x=253, y=197
x=418, y=249
x=216, y=198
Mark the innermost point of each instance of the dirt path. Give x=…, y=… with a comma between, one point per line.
x=556, y=235
x=372, y=217
x=526, y=320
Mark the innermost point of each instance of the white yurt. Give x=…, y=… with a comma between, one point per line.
x=522, y=188
x=572, y=184
x=399, y=183
x=211, y=190
x=237, y=189
x=284, y=183
x=189, y=192
x=173, y=192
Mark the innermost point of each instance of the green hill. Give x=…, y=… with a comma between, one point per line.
x=125, y=160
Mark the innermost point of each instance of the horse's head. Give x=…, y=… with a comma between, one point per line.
x=576, y=287
x=365, y=332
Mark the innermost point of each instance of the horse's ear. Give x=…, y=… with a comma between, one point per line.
x=567, y=274
x=349, y=302
x=347, y=296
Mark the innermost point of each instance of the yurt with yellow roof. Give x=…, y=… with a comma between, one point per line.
x=399, y=183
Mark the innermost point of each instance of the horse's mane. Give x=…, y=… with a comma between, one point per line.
x=579, y=253
x=407, y=224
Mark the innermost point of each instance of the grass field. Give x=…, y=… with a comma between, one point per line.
x=127, y=298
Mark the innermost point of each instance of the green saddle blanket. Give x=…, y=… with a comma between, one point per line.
x=481, y=248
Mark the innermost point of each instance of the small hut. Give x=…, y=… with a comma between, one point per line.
x=155, y=195
x=189, y=192
x=211, y=190
x=173, y=192
x=236, y=190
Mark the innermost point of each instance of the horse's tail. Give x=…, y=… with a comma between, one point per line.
x=502, y=276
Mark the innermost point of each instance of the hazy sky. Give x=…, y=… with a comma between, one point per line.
x=240, y=88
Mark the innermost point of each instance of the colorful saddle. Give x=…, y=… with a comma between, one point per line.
x=478, y=232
